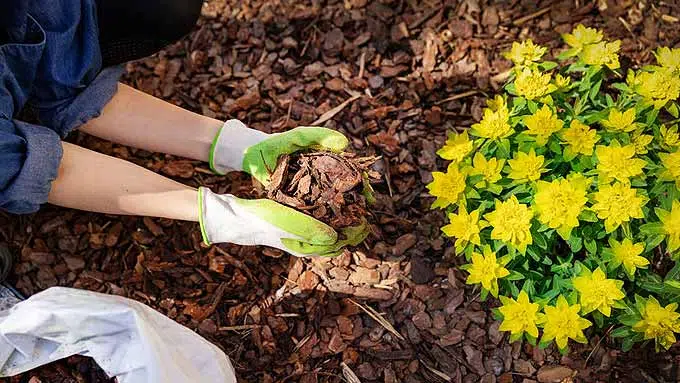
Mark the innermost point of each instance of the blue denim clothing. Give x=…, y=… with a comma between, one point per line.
x=52, y=63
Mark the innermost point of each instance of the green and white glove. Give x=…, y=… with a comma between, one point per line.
x=226, y=218
x=238, y=147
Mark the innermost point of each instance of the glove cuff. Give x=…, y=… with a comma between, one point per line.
x=202, y=191
x=230, y=144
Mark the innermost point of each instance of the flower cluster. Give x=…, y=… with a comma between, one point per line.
x=565, y=198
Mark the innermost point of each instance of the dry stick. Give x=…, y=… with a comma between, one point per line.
x=349, y=374
x=598, y=345
x=239, y=328
x=378, y=318
x=457, y=96
x=534, y=15
x=362, y=64
x=331, y=113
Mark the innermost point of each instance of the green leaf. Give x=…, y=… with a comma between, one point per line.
x=503, y=150
x=515, y=276
x=599, y=319
x=672, y=108
x=628, y=319
x=674, y=274
x=539, y=239
x=627, y=344
x=651, y=116
x=575, y=243
x=672, y=287
x=533, y=106
x=621, y=332
x=595, y=90
x=547, y=65
x=567, y=54
x=591, y=246
x=653, y=228
x=588, y=216
x=654, y=241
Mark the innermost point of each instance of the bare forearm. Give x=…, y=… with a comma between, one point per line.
x=95, y=182
x=136, y=119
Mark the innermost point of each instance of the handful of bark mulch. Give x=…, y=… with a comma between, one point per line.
x=333, y=188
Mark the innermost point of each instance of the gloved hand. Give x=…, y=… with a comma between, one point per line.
x=238, y=147
x=226, y=218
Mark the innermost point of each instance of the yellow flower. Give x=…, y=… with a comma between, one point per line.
x=620, y=121
x=543, y=124
x=533, y=84
x=580, y=138
x=562, y=83
x=602, y=53
x=641, y=142
x=447, y=187
x=671, y=165
x=562, y=322
x=490, y=169
x=582, y=36
x=670, y=136
x=559, y=203
x=525, y=167
x=671, y=225
x=657, y=87
x=519, y=316
x=627, y=253
x=486, y=270
x=596, y=292
x=618, y=162
x=525, y=53
x=494, y=125
x=659, y=323
x=498, y=105
x=668, y=58
x=616, y=204
x=464, y=227
x=511, y=222
x=457, y=147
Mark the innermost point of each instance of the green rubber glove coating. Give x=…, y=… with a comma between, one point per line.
x=354, y=236
x=261, y=159
x=312, y=231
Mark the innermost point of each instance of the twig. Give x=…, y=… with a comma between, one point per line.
x=235, y=262
x=239, y=328
x=438, y=373
x=598, y=345
x=362, y=64
x=331, y=113
x=349, y=374
x=290, y=110
x=532, y=16
x=378, y=318
x=457, y=96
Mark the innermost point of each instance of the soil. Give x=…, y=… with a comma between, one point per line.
x=394, y=76
x=328, y=186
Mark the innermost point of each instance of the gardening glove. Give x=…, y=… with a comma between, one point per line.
x=237, y=147
x=226, y=218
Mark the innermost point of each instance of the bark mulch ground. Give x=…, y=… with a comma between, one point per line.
x=394, y=76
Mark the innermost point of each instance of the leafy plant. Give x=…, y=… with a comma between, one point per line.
x=565, y=197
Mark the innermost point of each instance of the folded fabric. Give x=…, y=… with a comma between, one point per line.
x=128, y=339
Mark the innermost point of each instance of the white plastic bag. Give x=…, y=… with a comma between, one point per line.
x=127, y=339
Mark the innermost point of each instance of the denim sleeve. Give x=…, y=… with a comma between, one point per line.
x=30, y=157
x=70, y=86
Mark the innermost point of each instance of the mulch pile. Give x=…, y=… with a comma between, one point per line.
x=328, y=186
x=394, y=76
